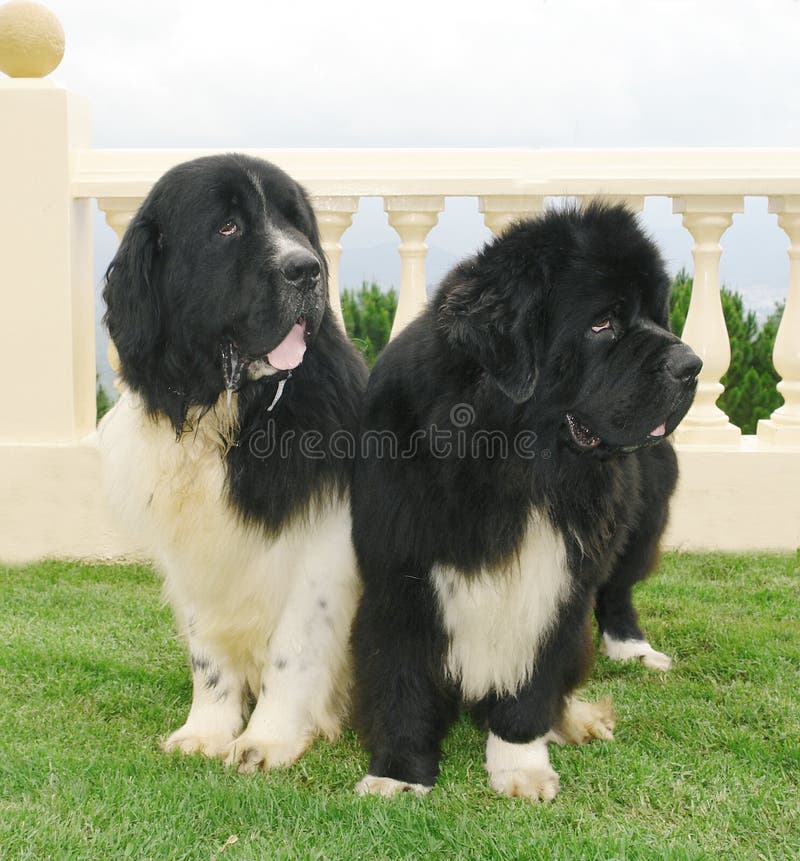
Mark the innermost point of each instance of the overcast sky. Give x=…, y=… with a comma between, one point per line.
x=540, y=73
x=422, y=73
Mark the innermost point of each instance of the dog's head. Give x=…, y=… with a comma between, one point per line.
x=219, y=279
x=570, y=312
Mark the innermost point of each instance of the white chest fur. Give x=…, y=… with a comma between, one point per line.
x=169, y=493
x=497, y=621
x=229, y=579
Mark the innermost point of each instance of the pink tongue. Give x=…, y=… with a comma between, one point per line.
x=659, y=431
x=289, y=353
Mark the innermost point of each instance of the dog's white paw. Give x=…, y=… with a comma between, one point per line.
x=628, y=650
x=190, y=740
x=538, y=784
x=249, y=753
x=654, y=660
x=582, y=722
x=521, y=770
x=388, y=786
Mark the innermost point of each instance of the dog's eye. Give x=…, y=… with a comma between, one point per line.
x=602, y=326
x=229, y=228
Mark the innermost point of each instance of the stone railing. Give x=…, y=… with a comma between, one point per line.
x=736, y=491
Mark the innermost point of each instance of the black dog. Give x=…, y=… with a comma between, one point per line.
x=513, y=461
x=217, y=304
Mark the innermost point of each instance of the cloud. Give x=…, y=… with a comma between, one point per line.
x=558, y=73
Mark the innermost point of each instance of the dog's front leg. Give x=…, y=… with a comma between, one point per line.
x=521, y=725
x=216, y=715
x=305, y=677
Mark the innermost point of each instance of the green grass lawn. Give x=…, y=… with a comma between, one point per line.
x=705, y=763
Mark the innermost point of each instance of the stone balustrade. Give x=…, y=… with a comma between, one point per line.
x=510, y=184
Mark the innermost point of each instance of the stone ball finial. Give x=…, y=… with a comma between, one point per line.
x=31, y=40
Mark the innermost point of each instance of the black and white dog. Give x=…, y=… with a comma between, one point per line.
x=217, y=305
x=513, y=471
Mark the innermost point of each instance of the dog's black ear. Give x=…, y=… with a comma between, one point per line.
x=133, y=306
x=493, y=327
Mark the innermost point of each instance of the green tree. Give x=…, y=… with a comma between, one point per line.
x=750, y=392
x=104, y=402
x=368, y=314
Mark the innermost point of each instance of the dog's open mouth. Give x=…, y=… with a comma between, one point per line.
x=286, y=356
x=581, y=435
x=585, y=438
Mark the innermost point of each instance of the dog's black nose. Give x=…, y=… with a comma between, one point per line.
x=683, y=363
x=301, y=269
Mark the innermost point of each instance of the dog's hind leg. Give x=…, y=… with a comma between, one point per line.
x=622, y=638
x=582, y=722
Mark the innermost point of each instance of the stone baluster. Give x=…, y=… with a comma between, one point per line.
x=783, y=426
x=334, y=216
x=501, y=210
x=707, y=217
x=412, y=218
x=118, y=212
